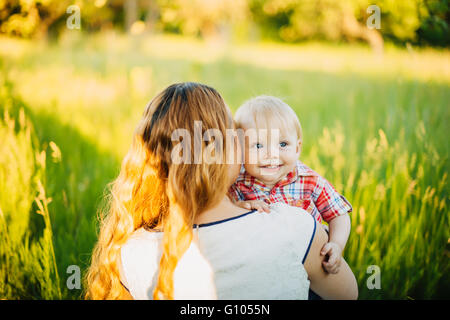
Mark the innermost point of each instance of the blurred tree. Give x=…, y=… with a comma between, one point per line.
x=423, y=22
x=152, y=15
x=400, y=19
x=434, y=28
x=39, y=18
x=27, y=18
x=131, y=11
x=136, y=12
x=297, y=20
x=207, y=18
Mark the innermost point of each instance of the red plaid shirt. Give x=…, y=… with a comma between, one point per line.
x=302, y=188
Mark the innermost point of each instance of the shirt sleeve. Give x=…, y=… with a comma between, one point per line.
x=140, y=257
x=235, y=194
x=330, y=203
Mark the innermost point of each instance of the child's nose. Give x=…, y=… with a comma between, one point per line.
x=272, y=152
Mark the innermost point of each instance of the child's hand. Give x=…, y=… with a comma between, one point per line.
x=255, y=205
x=334, y=252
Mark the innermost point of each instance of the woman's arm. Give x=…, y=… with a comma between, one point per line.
x=125, y=294
x=328, y=286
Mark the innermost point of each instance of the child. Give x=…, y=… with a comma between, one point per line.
x=273, y=173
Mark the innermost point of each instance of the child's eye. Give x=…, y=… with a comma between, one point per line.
x=283, y=144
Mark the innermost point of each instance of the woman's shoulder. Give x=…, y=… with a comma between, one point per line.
x=139, y=242
x=142, y=235
x=291, y=213
x=140, y=259
x=141, y=239
x=295, y=224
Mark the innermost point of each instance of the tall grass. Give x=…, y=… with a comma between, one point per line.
x=27, y=256
x=400, y=222
x=376, y=128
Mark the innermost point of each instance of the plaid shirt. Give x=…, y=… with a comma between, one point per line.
x=302, y=188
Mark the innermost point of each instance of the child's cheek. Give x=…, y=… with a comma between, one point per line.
x=251, y=157
x=288, y=154
x=253, y=170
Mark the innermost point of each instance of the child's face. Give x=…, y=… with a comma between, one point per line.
x=270, y=159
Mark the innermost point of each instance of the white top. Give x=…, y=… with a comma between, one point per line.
x=251, y=256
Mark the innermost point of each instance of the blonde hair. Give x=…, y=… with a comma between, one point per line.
x=264, y=111
x=156, y=194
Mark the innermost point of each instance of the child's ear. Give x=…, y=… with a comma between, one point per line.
x=299, y=147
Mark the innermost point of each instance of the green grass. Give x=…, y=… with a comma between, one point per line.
x=375, y=127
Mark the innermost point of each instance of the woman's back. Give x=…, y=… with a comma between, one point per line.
x=251, y=256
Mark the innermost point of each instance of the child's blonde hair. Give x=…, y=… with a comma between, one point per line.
x=265, y=111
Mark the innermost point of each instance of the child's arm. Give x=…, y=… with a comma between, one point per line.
x=235, y=194
x=334, y=209
x=339, y=232
x=254, y=204
x=328, y=286
x=238, y=199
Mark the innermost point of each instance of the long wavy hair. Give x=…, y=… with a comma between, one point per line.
x=155, y=193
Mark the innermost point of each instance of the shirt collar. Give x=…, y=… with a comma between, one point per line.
x=303, y=170
x=299, y=170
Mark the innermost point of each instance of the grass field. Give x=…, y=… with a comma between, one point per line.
x=375, y=127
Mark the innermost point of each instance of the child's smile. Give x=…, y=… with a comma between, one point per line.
x=270, y=169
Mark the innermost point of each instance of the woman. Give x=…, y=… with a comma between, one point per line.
x=171, y=232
